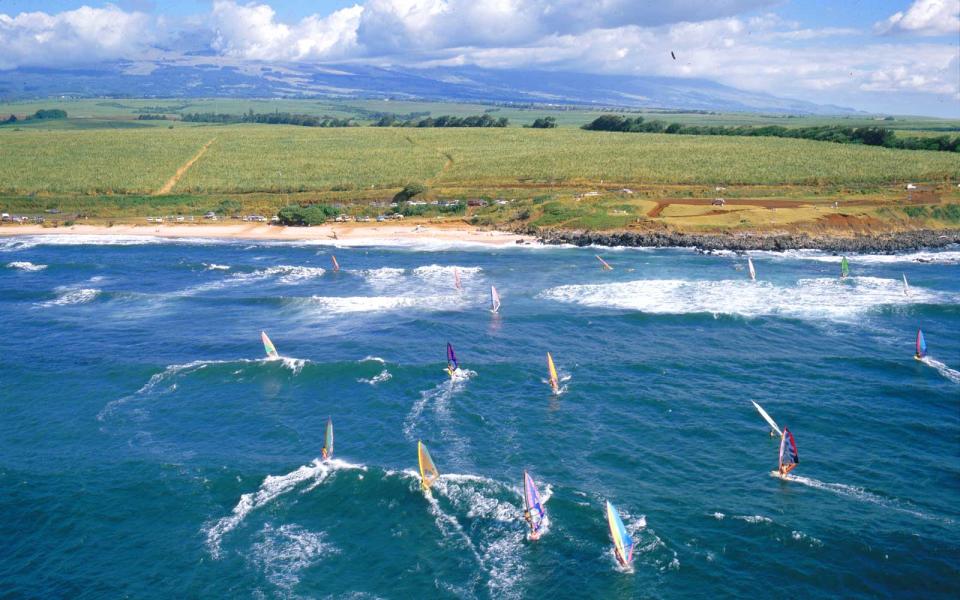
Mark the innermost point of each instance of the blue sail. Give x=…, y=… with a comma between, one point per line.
x=921, y=345
x=452, y=358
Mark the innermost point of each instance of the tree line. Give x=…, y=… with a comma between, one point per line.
x=42, y=114
x=485, y=120
x=869, y=136
x=274, y=118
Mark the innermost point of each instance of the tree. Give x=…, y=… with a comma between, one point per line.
x=409, y=191
x=544, y=123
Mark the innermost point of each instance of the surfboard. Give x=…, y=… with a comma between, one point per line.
x=428, y=471
x=767, y=418
x=268, y=346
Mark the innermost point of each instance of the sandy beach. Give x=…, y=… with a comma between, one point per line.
x=333, y=233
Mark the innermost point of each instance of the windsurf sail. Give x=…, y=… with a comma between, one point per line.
x=268, y=346
x=789, y=458
x=328, y=440
x=753, y=272
x=767, y=418
x=906, y=286
x=336, y=265
x=533, y=505
x=622, y=542
x=606, y=267
x=552, y=372
x=428, y=471
x=494, y=300
x=844, y=267
x=456, y=279
x=452, y=364
x=921, y=345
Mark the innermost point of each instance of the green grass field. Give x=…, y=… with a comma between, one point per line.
x=290, y=159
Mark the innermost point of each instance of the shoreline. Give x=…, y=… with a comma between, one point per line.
x=336, y=233
x=347, y=235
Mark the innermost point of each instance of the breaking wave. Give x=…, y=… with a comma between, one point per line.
x=24, y=265
x=808, y=299
x=68, y=296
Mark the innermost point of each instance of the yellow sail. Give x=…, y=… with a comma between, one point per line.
x=554, y=379
x=428, y=471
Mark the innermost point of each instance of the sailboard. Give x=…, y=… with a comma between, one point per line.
x=844, y=268
x=456, y=279
x=428, y=471
x=605, y=267
x=921, y=346
x=534, y=513
x=328, y=440
x=906, y=286
x=767, y=418
x=753, y=272
x=452, y=364
x=336, y=265
x=494, y=300
x=789, y=458
x=622, y=542
x=268, y=346
x=552, y=373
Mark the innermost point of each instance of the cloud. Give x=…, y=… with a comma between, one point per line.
x=924, y=17
x=251, y=31
x=78, y=36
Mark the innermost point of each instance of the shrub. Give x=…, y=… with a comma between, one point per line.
x=313, y=214
x=409, y=191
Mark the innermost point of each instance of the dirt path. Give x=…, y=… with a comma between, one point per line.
x=168, y=186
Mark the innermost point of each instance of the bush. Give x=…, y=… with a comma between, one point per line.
x=409, y=191
x=313, y=214
x=544, y=123
x=50, y=113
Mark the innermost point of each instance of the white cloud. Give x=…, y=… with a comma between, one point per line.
x=251, y=31
x=925, y=17
x=77, y=36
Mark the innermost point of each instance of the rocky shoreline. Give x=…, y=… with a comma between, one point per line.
x=875, y=244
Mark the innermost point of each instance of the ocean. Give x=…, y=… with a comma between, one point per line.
x=149, y=450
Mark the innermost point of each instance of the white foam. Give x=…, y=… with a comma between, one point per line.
x=807, y=298
x=30, y=241
x=861, y=494
x=940, y=257
x=753, y=518
x=68, y=296
x=372, y=359
x=951, y=374
x=285, y=274
x=384, y=375
x=718, y=516
x=442, y=276
x=383, y=276
x=25, y=265
x=801, y=536
x=271, y=488
x=440, y=395
x=216, y=267
x=284, y=552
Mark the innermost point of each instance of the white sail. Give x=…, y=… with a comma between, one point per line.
x=753, y=272
x=767, y=418
x=906, y=286
x=494, y=300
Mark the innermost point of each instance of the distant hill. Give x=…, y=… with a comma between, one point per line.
x=203, y=76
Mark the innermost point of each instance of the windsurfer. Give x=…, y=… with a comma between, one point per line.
x=323, y=454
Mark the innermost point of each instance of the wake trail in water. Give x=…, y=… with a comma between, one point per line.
x=852, y=491
x=273, y=487
x=941, y=368
x=440, y=395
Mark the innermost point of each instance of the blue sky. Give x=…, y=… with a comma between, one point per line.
x=898, y=56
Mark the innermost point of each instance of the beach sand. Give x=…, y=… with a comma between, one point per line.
x=333, y=233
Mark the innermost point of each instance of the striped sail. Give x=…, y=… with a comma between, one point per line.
x=921, y=345
x=753, y=272
x=533, y=504
x=552, y=372
x=788, y=452
x=328, y=440
x=844, y=267
x=428, y=471
x=268, y=346
x=494, y=300
x=622, y=542
x=604, y=264
x=336, y=265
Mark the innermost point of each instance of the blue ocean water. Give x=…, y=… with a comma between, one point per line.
x=148, y=450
